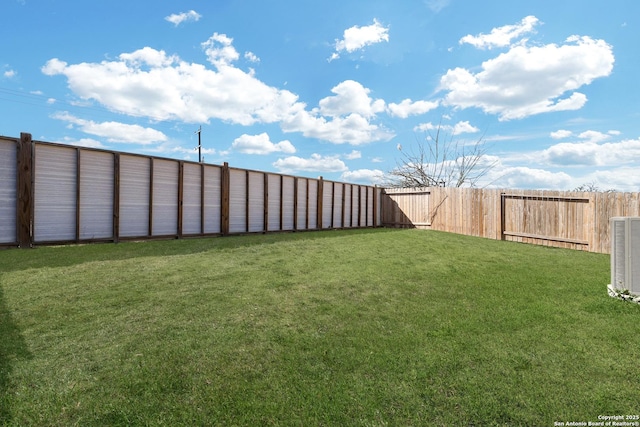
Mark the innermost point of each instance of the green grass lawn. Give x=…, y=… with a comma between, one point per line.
x=338, y=328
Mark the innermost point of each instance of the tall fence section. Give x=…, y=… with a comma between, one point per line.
x=573, y=220
x=53, y=193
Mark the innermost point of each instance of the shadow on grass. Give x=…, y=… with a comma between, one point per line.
x=12, y=348
x=62, y=256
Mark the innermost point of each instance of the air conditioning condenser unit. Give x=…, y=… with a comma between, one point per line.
x=625, y=254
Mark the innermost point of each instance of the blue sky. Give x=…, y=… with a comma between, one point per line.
x=332, y=88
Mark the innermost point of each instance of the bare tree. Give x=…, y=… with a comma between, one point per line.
x=592, y=187
x=441, y=161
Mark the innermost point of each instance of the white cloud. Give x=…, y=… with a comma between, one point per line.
x=352, y=129
x=350, y=113
x=261, y=144
x=592, y=153
x=219, y=50
x=457, y=129
x=178, y=18
x=351, y=97
x=531, y=80
x=353, y=155
x=502, y=36
x=408, y=108
x=368, y=176
x=356, y=38
x=114, y=131
x=10, y=74
x=150, y=83
x=525, y=177
x=251, y=57
x=561, y=134
x=316, y=163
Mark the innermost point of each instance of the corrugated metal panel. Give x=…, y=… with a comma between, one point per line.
x=287, y=202
x=237, y=201
x=363, y=206
x=327, y=205
x=369, y=206
x=274, y=203
x=337, y=206
x=8, y=192
x=256, y=201
x=355, y=192
x=165, y=197
x=379, y=207
x=347, y=206
x=192, y=199
x=313, y=204
x=302, y=204
x=134, y=196
x=212, y=205
x=96, y=195
x=55, y=193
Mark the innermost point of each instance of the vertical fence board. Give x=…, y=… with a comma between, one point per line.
x=96, y=195
x=237, y=201
x=288, y=199
x=165, y=197
x=327, y=204
x=8, y=191
x=134, y=196
x=256, y=202
x=273, y=217
x=212, y=196
x=192, y=199
x=303, y=204
x=56, y=197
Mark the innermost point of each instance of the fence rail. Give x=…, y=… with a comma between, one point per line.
x=54, y=193
x=576, y=220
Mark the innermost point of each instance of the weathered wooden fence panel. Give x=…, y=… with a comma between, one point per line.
x=574, y=220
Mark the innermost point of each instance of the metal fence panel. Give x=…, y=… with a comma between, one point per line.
x=288, y=198
x=134, y=196
x=192, y=199
x=212, y=204
x=347, y=206
x=302, y=204
x=8, y=190
x=55, y=199
x=274, y=203
x=237, y=201
x=313, y=204
x=337, y=205
x=96, y=195
x=256, y=202
x=165, y=197
x=327, y=205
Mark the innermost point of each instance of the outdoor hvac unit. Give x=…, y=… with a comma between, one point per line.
x=625, y=254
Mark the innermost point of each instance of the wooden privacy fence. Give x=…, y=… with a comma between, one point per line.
x=576, y=220
x=53, y=193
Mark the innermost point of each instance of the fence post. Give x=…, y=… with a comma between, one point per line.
x=224, y=199
x=502, y=215
x=180, y=197
x=320, y=197
x=116, y=197
x=25, y=192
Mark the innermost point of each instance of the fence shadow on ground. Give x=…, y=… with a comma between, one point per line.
x=12, y=348
x=63, y=256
